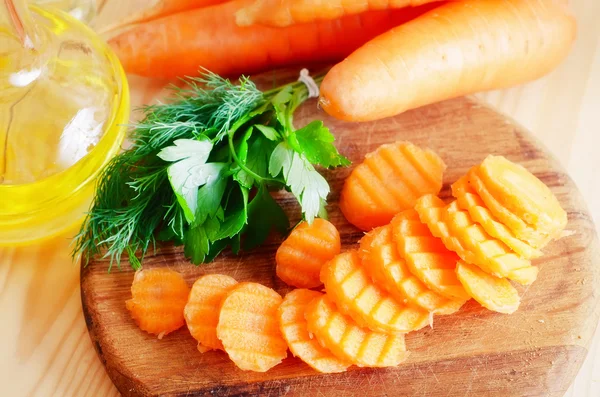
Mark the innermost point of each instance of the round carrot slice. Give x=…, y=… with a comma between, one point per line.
x=292, y=323
x=300, y=257
x=355, y=294
x=467, y=199
x=388, y=181
x=158, y=297
x=350, y=342
x=382, y=261
x=202, y=309
x=523, y=194
x=493, y=293
x=249, y=327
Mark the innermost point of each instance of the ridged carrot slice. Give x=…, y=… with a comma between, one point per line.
x=249, y=327
x=355, y=294
x=522, y=230
x=496, y=294
x=202, y=309
x=472, y=244
x=350, y=342
x=300, y=257
x=523, y=194
x=158, y=297
x=469, y=200
x=388, y=181
x=490, y=253
x=426, y=256
x=293, y=326
x=382, y=261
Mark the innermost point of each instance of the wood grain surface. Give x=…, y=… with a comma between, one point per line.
x=45, y=348
x=536, y=351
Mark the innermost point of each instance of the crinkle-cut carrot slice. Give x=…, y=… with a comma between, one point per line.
x=292, y=323
x=433, y=212
x=249, y=327
x=488, y=253
x=354, y=292
x=158, y=297
x=202, y=309
x=300, y=257
x=426, y=256
x=523, y=194
x=523, y=231
x=469, y=200
x=387, y=268
x=496, y=294
x=388, y=181
x=350, y=342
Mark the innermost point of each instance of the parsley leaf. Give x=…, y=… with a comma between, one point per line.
x=259, y=152
x=263, y=214
x=315, y=141
x=269, y=132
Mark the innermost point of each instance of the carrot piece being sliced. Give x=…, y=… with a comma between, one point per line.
x=300, y=257
x=294, y=329
x=467, y=199
x=458, y=48
x=355, y=294
x=523, y=194
x=249, y=327
x=493, y=293
x=426, y=256
x=158, y=297
x=202, y=309
x=350, y=342
x=382, y=261
x=389, y=180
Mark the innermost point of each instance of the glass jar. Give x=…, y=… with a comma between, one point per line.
x=64, y=101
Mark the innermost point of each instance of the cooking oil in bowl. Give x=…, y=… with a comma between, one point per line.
x=63, y=102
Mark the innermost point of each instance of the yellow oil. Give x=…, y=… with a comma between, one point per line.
x=57, y=133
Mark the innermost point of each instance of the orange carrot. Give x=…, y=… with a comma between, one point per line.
x=294, y=329
x=290, y=12
x=158, y=297
x=249, y=327
x=300, y=257
x=157, y=9
x=180, y=44
x=356, y=295
x=202, y=309
x=349, y=342
x=389, y=180
x=457, y=49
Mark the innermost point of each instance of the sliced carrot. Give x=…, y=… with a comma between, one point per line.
x=350, y=342
x=493, y=293
x=523, y=194
x=458, y=48
x=158, y=297
x=426, y=256
x=467, y=199
x=294, y=329
x=471, y=243
x=202, y=309
x=389, y=180
x=290, y=12
x=300, y=257
x=249, y=327
x=388, y=269
x=356, y=295
x=522, y=230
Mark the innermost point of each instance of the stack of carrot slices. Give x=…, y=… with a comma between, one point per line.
x=429, y=258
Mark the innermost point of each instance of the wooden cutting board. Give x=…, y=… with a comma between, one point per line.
x=536, y=351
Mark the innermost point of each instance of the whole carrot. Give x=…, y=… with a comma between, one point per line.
x=179, y=44
x=457, y=49
x=290, y=12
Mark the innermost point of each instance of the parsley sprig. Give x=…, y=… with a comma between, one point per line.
x=200, y=169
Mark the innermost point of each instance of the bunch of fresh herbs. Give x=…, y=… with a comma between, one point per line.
x=200, y=169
